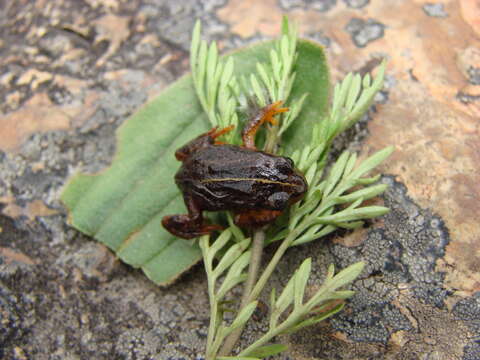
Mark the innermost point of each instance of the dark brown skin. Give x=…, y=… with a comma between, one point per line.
x=255, y=185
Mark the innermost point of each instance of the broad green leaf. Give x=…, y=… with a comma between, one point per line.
x=122, y=207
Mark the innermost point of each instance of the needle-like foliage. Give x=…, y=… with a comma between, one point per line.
x=334, y=199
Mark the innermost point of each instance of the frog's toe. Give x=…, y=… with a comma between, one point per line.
x=276, y=108
x=271, y=110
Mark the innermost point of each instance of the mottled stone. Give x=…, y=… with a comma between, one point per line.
x=364, y=32
x=435, y=10
x=466, y=98
x=356, y=4
x=318, y=5
x=474, y=75
x=320, y=38
x=468, y=309
x=71, y=72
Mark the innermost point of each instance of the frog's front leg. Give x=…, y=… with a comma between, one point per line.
x=265, y=114
x=191, y=225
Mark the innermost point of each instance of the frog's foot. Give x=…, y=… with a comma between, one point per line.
x=255, y=218
x=185, y=227
x=266, y=114
x=271, y=110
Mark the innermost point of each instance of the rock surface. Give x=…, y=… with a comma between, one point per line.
x=72, y=71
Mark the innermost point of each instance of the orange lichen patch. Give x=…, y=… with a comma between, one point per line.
x=13, y=99
x=34, y=78
x=399, y=338
x=109, y=4
x=10, y=256
x=38, y=114
x=69, y=55
x=122, y=78
x=471, y=13
x=353, y=239
x=468, y=57
x=12, y=210
x=434, y=328
x=6, y=78
x=249, y=17
x=38, y=208
x=31, y=211
x=114, y=29
x=437, y=159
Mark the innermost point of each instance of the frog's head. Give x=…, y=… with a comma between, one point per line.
x=293, y=189
x=294, y=184
x=298, y=186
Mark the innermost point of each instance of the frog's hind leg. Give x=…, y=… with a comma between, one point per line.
x=265, y=114
x=201, y=141
x=191, y=225
x=255, y=218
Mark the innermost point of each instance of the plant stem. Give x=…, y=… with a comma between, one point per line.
x=271, y=266
x=272, y=139
x=213, y=315
x=253, y=295
x=255, y=260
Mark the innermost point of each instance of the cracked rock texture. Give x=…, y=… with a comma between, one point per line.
x=72, y=71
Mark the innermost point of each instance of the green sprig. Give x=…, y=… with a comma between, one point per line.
x=306, y=312
x=334, y=199
x=214, y=82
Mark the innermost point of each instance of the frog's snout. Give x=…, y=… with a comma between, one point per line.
x=300, y=187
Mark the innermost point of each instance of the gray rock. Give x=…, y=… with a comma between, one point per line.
x=435, y=10
x=363, y=32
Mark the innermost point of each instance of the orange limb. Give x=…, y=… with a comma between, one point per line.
x=266, y=114
x=215, y=133
x=191, y=225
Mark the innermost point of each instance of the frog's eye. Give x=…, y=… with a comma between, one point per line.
x=278, y=200
x=285, y=165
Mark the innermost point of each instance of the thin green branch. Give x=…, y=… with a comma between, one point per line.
x=255, y=261
x=315, y=216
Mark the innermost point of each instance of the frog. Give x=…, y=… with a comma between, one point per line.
x=256, y=186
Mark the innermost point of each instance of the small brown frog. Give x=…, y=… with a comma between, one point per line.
x=255, y=185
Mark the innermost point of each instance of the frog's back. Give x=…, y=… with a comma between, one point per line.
x=231, y=177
